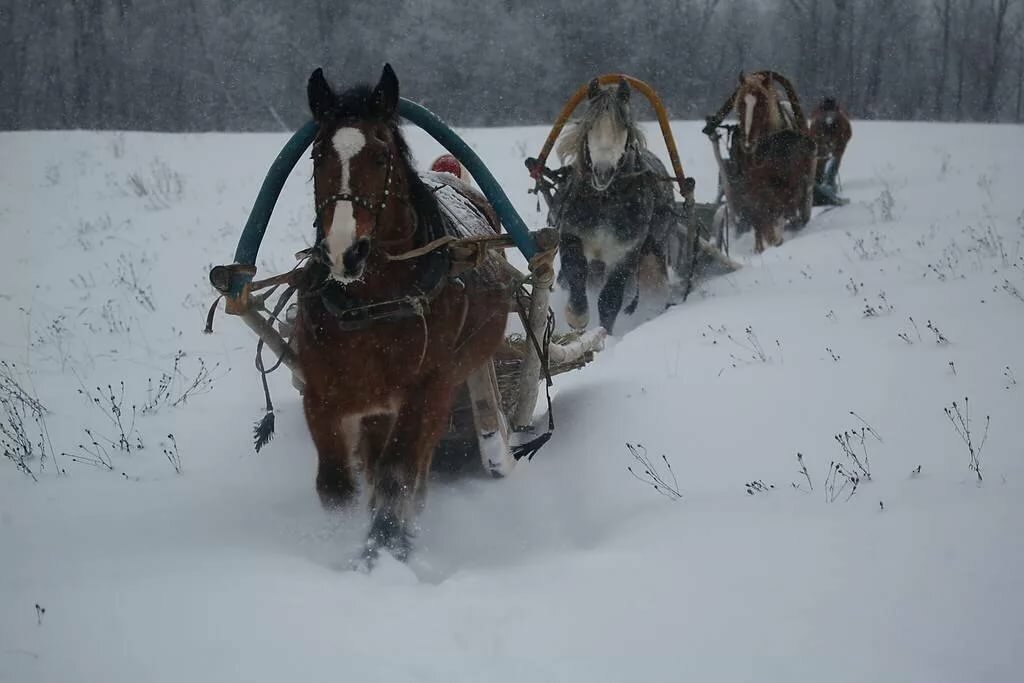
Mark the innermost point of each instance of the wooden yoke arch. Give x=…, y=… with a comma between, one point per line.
x=685, y=184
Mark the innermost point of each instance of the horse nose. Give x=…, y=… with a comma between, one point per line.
x=604, y=173
x=355, y=256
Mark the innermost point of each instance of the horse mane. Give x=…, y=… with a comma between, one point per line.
x=573, y=142
x=356, y=104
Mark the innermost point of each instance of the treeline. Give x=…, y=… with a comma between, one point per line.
x=242, y=65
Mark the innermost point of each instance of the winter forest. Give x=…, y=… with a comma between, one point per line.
x=201, y=65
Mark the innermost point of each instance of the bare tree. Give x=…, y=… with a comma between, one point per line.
x=807, y=16
x=1020, y=74
x=944, y=15
x=220, y=64
x=1000, y=40
x=966, y=21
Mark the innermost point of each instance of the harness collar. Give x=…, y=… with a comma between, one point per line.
x=353, y=313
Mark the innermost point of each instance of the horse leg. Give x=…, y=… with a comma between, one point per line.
x=805, y=203
x=609, y=302
x=758, y=238
x=653, y=275
x=630, y=308
x=335, y=479
x=574, y=268
x=491, y=426
x=397, y=475
x=838, y=159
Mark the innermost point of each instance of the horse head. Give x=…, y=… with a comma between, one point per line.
x=601, y=139
x=360, y=172
x=829, y=110
x=757, y=106
x=610, y=133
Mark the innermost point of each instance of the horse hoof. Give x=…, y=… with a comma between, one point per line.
x=366, y=560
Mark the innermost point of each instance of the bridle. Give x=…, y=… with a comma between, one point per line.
x=375, y=204
x=349, y=310
x=628, y=150
x=764, y=97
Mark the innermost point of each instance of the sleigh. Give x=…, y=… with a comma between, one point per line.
x=499, y=398
x=796, y=144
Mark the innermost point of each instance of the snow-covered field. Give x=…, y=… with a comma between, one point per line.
x=894, y=307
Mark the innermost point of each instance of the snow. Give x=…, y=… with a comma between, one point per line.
x=570, y=569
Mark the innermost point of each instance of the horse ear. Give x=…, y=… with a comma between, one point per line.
x=741, y=78
x=594, y=89
x=623, y=91
x=321, y=97
x=385, y=95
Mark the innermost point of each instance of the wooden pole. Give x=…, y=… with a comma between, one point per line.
x=543, y=275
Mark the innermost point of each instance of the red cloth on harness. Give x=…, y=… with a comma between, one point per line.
x=446, y=163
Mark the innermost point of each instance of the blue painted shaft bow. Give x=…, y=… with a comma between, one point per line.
x=259, y=217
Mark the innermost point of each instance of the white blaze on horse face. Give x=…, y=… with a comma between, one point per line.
x=748, y=118
x=607, y=144
x=787, y=113
x=341, y=233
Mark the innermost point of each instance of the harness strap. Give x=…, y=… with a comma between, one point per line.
x=424, y=250
x=263, y=432
x=715, y=120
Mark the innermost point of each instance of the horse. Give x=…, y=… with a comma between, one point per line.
x=384, y=335
x=614, y=209
x=831, y=130
x=772, y=158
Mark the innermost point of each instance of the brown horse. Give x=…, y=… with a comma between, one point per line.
x=383, y=343
x=772, y=156
x=831, y=130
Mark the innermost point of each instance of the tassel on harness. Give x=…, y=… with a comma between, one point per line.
x=263, y=431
